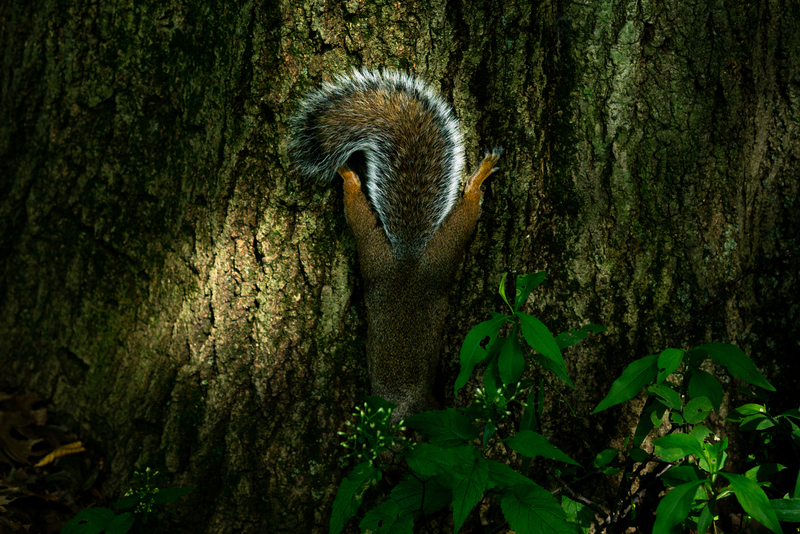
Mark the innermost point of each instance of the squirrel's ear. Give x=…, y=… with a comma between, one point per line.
x=350, y=177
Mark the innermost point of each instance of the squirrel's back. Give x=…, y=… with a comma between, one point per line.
x=409, y=137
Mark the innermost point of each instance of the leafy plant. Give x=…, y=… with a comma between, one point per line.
x=453, y=467
x=694, y=456
x=141, y=498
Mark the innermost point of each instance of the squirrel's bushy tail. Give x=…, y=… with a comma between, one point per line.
x=410, y=140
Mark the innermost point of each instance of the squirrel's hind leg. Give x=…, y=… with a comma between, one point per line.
x=371, y=241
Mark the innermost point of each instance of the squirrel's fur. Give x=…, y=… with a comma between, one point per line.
x=412, y=230
x=410, y=139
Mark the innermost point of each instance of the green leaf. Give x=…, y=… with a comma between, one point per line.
x=409, y=494
x=530, y=443
x=526, y=284
x=676, y=446
x=639, y=455
x=703, y=384
x=578, y=514
x=674, y=508
x=541, y=340
x=696, y=410
x=682, y=474
x=350, y=494
x=429, y=460
x=126, y=502
x=763, y=472
x=636, y=376
x=754, y=501
x=491, y=376
x=445, y=428
x=705, y=519
x=89, y=521
x=502, y=476
x=469, y=491
x=605, y=457
x=652, y=411
x=736, y=362
x=167, y=495
x=746, y=410
x=530, y=509
x=121, y=524
x=756, y=422
x=502, y=289
x=671, y=397
x=786, y=509
x=511, y=362
x=668, y=361
x=388, y=518
x=576, y=335
x=471, y=351
x=488, y=432
x=794, y=413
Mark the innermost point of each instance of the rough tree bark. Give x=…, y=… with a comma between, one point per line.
x=168, y=282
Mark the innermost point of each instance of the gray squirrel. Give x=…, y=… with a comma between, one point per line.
x=394, y=133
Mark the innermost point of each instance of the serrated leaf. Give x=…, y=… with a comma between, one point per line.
x=89, y=521
x=511, y=362
x=703, y=384
x=786, y=509
x=526, y=284
x=469, y=491
x=471, y=351
x=696, y=410
x=670, y=397
x=445, y=428
x=668, y=361
x=576, y=335
x=121, y=524
x=530, y=443
x=541, y=340
x=167, y=495
x=754, y=501
x=530, y=509
x=350, y=494
x=578, y=514
x=674, y=508
x=408, y=494
x=736, y=362
x=388, y=518
x=429, y=460
x=635, y=376
x=502, y=476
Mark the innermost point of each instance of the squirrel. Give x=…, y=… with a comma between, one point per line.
x=397, y=145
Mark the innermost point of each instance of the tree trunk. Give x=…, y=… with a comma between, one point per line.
x=169, y=283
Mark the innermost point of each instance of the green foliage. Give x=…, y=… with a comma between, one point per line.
x=697, y=454
x=453, y=467
x=142, y=497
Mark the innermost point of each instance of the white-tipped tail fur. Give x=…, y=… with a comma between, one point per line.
x=409, y=136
